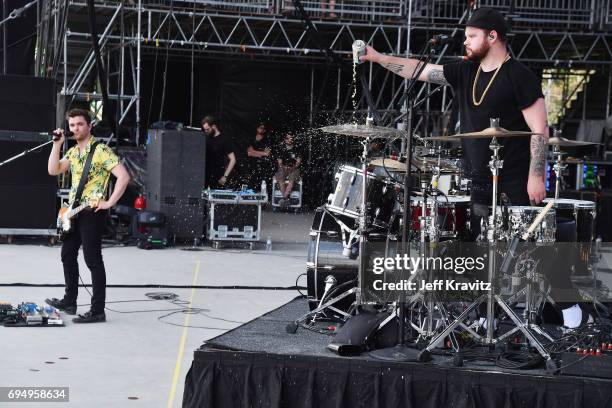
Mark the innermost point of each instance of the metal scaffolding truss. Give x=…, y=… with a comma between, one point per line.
x=206, y=29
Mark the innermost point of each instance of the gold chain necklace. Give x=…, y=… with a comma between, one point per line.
x=488, y=86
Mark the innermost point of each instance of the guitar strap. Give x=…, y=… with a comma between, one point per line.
x=84, y=176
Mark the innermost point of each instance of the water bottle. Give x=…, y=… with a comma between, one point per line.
x=269, y=244
x=359, y=49
x=264, y=187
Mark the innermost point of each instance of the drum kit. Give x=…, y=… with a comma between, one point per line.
x=368, y=205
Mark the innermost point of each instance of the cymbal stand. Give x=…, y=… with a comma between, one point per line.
x=400, y=352
x=362, y=233
x=559, y=166
x=363, y=215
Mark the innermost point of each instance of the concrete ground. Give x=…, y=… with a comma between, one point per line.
x=141, y=355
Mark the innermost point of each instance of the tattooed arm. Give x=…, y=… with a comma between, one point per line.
x=536, y=118
x=405, y=67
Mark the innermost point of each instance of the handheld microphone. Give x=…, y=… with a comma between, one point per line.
x=441, y=39
x=56, y=136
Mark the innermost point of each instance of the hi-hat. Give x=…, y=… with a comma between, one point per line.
x=563, y=142
x=364, y=131
x=389, y=164
x=488, y=133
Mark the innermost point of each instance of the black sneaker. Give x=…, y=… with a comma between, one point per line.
x=61, y=306
x=90, y=317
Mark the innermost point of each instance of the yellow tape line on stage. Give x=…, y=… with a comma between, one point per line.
x=179, y=358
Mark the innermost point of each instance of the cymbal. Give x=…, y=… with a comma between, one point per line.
x=364, y=131
x=483, y=134
x=389, y=164
x=563, y=142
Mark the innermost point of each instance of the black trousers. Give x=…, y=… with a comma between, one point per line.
x=88, y=228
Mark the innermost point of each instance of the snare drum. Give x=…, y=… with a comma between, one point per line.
x=520, y=219
x=453, y=214
x=381, y=196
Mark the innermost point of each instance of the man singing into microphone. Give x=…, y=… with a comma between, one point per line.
x=491, y=84
x=89, y=225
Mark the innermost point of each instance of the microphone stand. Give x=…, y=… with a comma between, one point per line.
x=400, y=352
x=25, y=152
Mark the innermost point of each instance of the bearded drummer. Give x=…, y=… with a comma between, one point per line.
x=491, y=84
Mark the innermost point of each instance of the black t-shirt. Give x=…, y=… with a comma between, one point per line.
x=261, y=145
x=288, y=155
x=261, y=164
x=217, y=150
x=515, y=88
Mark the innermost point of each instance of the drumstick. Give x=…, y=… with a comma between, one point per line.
x=538, y=219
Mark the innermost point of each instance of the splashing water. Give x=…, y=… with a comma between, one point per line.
x=354, y=95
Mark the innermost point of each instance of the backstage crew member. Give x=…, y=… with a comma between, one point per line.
x=289, y=161
x=260, y=157
x=90, y=224
x=220, y=157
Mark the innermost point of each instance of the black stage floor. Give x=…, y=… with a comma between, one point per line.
x=259, y=364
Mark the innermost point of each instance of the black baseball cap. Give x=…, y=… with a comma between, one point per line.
x=488, y=19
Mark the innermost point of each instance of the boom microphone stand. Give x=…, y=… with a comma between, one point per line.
x=25, y=152
x=400, y=352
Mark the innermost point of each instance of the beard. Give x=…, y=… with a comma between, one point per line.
x=480, y=53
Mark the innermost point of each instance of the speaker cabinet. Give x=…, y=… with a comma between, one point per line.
x=27, y=192
x=175, y=178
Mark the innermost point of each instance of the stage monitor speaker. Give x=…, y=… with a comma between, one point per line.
x=27, y=103
x=27, y=192
x=175, y=178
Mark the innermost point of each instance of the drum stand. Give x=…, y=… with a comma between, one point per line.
x=430, y=233
x=491, y=299
x=559, y=166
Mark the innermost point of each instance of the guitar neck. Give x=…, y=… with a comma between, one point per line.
x=77, y=210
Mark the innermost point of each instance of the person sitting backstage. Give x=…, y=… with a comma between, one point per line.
x=289, y=161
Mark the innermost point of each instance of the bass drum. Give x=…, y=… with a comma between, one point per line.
x=332, y=251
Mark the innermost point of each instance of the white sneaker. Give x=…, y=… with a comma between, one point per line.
x=574, y=317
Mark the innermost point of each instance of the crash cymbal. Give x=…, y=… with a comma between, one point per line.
x=488, y=133
x=363, y=131
x=389, y=164
x=563, y=142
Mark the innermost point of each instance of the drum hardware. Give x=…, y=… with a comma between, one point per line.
x=559, y=166
x=558, y=141
x=495, y=164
